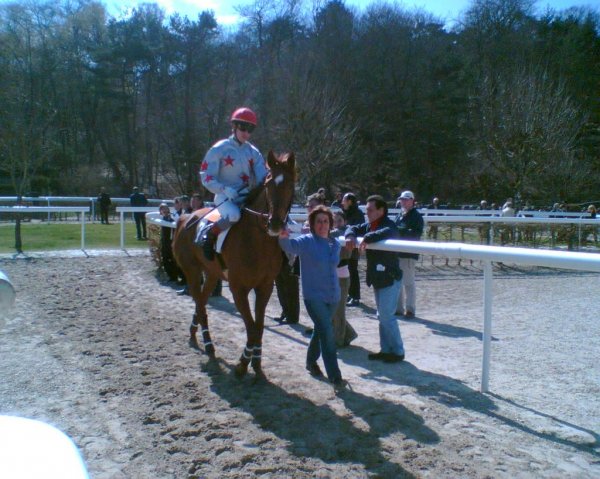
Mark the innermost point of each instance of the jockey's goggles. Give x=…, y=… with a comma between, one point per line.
x=244, y=126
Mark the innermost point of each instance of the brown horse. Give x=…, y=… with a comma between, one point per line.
x=251, y=254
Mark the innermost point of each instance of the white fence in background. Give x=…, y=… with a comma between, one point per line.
x=24, y=210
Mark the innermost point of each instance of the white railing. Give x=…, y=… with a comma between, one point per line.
x=130, y=209
x=486, y=254
x=82, y=210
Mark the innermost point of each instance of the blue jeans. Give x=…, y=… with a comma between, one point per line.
x=323, y=338
x=389, y=331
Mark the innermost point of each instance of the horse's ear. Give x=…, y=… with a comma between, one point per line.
x=271, y=159
x=291, y=161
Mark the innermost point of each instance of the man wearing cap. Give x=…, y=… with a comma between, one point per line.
x=410, y=225
x=230, y=169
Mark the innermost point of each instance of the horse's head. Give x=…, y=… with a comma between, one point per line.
x=279, y=186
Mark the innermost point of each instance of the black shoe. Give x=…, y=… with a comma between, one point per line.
x=308, y=332
x=380, y=356
x=280, y=319
x=393, y=358
x=208, y=246
x=409, y=315
x=184, y=291
x=314, y=370
x=353, y=302
x=339, y=384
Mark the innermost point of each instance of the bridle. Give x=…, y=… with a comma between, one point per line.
x=265, y=216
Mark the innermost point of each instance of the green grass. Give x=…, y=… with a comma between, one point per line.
x=60, y=236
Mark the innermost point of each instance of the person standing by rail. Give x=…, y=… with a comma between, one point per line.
x=410, y=226
x=139, y=199
x=383, y=273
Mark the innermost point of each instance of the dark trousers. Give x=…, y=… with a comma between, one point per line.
x=104, y=215
x=140, y=224
x=288, y=292
x=354, y=289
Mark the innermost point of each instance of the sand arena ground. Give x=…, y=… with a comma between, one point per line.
x=98, y=347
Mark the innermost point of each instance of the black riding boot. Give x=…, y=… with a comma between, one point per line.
x=208, y=242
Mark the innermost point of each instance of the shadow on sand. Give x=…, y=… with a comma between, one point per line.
x=453, y=393
x=317, y=431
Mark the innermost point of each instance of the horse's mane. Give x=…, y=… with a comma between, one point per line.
x=254, y=194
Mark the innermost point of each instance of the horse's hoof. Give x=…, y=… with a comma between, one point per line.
x=210, y=351
x=194, y=343
x=241, y=370
x=259, y=376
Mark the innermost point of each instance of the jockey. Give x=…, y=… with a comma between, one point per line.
x=231, y=168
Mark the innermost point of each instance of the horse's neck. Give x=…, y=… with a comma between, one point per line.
x=259, y=202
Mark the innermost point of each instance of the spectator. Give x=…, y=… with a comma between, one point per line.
x=343, y=331
x=139, y=199
x=230, y=169
x=432, y=232
x=507, y=231
x=166, y=236
x=104, y=203
x=197, y=202
x=484, y=228
x=320, y=256
x=354, y=216
x=410, y=226
x=337, y=202
x=185, y=205
x=592, y=211
x=383, y=273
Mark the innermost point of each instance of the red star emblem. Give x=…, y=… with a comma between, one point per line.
x=245, y=178
x=251, y=162
x=208, y=178
x=228, y=161
x=204, y=166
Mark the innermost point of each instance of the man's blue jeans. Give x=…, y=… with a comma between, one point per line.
x=389, y=331
x=323, y=338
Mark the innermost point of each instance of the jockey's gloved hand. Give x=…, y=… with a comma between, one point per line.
x=230, y=192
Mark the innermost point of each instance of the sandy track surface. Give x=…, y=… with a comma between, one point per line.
x=98, y=347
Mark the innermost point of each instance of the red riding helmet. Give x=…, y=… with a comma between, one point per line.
x=244, y=114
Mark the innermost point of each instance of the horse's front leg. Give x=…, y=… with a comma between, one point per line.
x=240, y=297
x=263, y=294
x=200, y=292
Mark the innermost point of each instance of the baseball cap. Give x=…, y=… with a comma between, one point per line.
x=407, y=195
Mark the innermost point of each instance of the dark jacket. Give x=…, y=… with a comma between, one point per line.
x=354, y=216
x=382, y=266
x=138, y=199
x=410, y=227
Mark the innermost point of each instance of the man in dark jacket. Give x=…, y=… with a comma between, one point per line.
x=383, y=273
x=139, y=199
x=410, y=226
x=104, y=203
x=354, y=216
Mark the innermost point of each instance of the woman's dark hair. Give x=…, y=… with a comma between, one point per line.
x=379, y=203
x=312, y=217
x=351, y=197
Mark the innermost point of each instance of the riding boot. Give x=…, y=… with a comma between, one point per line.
x=209, y=240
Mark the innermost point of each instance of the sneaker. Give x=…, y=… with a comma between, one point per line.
x=314, y=370
x=353, y=302
x=393, y=358
x=380, y=356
